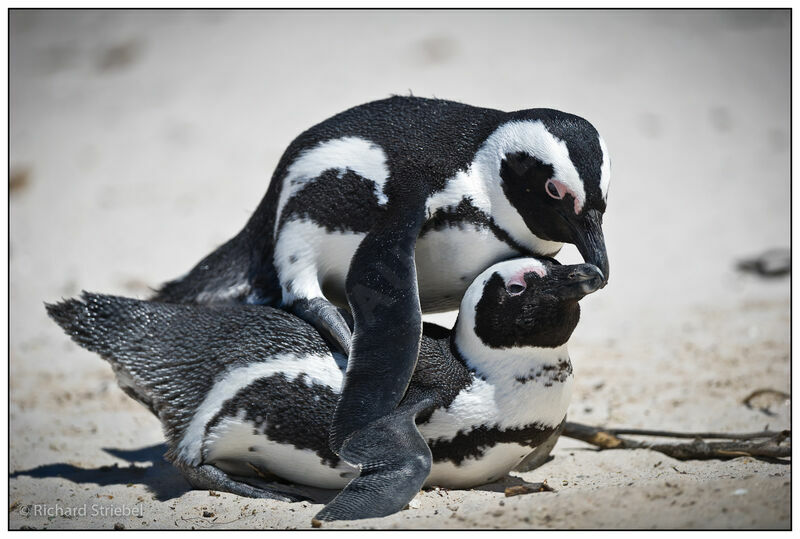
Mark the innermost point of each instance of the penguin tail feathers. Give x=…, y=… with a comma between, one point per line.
x=110, y=326
x=75, y=318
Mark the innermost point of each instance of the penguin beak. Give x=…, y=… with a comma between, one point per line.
x=581, y=280
x=588, y=238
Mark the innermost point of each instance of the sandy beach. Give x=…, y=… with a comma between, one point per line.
x=139, y=141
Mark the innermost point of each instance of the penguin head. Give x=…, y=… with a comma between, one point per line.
x=554, y=171
x=523, y=303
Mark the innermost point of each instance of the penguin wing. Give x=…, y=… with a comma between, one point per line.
x=394, y=460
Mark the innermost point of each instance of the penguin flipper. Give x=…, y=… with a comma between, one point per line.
x=395, y=461
x=382, y=291
x=327, y=319
x=208, y=477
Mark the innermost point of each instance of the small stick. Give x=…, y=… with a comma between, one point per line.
x=692, y=435
x=768, y=446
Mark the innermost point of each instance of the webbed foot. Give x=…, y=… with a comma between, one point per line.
x=328, y=319
x=208, y=477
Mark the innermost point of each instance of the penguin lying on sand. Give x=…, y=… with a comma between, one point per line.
x=392, y=208
x=246, y=390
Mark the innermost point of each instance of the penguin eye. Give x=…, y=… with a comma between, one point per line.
x=515, y=289
x=554, y=189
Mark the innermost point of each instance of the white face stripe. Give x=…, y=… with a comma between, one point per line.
x=508, y=270
x=605, y=170
x=512, y=269
x=361, y=156
x=319, y=369
x=533, y=138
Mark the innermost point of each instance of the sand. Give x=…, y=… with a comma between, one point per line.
x=140, y=141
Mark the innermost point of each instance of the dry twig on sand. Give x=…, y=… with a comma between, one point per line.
x=753, y=444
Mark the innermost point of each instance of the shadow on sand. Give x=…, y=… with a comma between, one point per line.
x=158, y=475
x=148, y=467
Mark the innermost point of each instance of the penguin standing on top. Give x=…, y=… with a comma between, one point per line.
x=392, y=208
x=249, y=391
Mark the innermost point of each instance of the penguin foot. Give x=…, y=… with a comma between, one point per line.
x=329, y=320
x=207, y=477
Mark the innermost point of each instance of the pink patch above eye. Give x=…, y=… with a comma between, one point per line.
x=562, y=191
x=519, y=277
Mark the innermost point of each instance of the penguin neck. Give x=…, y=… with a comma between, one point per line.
x=503, y=365
x=483, y=186
x=508, y=218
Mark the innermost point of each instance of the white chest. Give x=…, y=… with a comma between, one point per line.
x=449, y=259
x=508, y=405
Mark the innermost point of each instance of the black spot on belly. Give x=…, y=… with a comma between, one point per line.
x=339, y=202
x=292, y=259
x=474, y=443
x=294, y=412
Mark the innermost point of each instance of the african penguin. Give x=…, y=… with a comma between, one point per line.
x=392, y=208
x=248, y=390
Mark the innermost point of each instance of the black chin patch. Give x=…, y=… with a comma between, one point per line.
x=537, y=317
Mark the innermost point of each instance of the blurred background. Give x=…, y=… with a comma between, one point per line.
x=141, y=140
